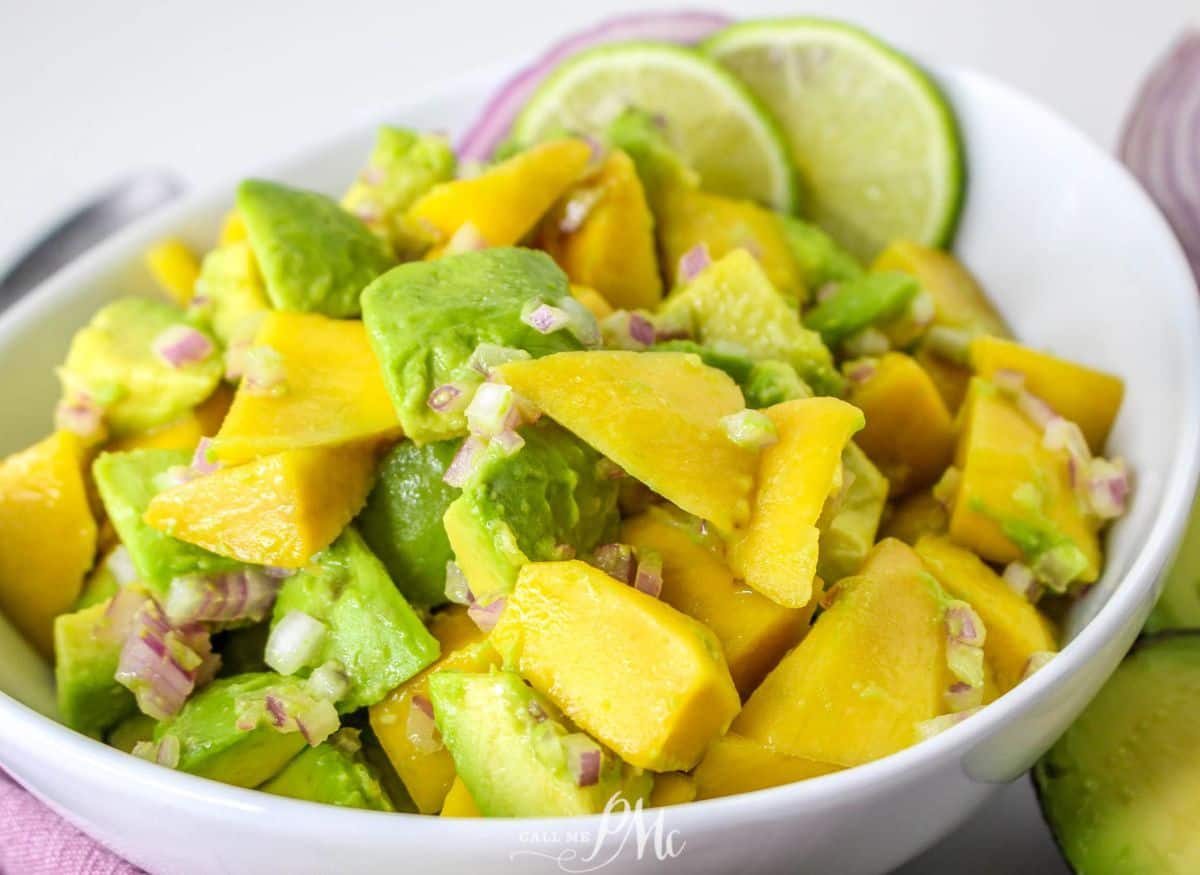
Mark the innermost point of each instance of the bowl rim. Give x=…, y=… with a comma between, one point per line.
x=24, y=729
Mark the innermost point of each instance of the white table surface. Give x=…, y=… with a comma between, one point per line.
x=91, y=90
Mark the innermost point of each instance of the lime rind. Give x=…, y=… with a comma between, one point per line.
x=622, y=75
x=947, y=167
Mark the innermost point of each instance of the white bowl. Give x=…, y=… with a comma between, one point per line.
x=1079, y=261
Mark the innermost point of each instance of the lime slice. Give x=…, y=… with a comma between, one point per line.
x=873, y=139
x=714, y=122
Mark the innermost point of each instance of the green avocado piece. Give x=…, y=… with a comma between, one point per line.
x=242, y=649
x=820, y=258
x=1119, y=788
x=525, y=507
x=230, y=290
x=763, y=383
x=858, y=303
x=127, y=482
x=426, y=318
x=511, y=749
x=86, y=652
x=1179, y=605
x=658, y=165
x=402, y=520
x=402, y=167
x=332, y=774
x=134, y=728
x=847, y=529
x=99, y=586
x=370, y=629
x=314, y=256
x=733, y=302
x=113, y=361
x=212, y=746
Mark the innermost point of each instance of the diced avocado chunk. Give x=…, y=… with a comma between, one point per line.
x=732, y=301
x=763, y=383
x=402, y=167
x=335, y=773
x=402, y=521
x=314, y=255
x=1179, y=605
x=86, y=652
x=858, y=303
x=231, y=290
x=848, y=533
x=659, y=166
x=370, y=629
x=134, y=728
x=112, y=360
x=1119, y=787
x=127, y=482
x=243, y=649
x=820, y=258
x=212, y=746
x=512, y=751
x=425, y=319
x=99, y=586
x=554, y=493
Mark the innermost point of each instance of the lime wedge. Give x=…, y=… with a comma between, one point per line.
x=874, y=142
x=714, y=122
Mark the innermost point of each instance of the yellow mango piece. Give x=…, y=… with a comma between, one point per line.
x=909, y=433
x=429, y=774
x=593, y=300
x=950, y=378
x=1015, y=628
x=233, y=229
x=277, y=510
x=1087, y=397
x=870, y=669
x=754, y=631
x=459, y=802
x=688, y=217
x=612, y=250
x=657, y=415
x=333, y=391
x=735, y=764
x=917, y=515
x=672, y=788
x=184, y=433
x=1013, y=487
x=958, y=300
x=175, y=267
x=47, y=536
x=507, y=200
x=631, y=671
x=777, y=552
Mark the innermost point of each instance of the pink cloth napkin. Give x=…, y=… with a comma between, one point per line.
x=36, y=841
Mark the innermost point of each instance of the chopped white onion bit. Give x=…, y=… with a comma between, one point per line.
x=200, y=461
x=750, y=429
x=288, y=711
x=463, y=464
x=952, y=344
x=420, y=727
x=921, y=309
x=615, y=560
x=584, y=758
x=245, y=594
x=1060, y=566
x=936, y=726
x=466, y=239
x=1020, y=579
x=329, y=681
x=965, y=637
x=508, y=442
x=961, y=696
x=120, y=565
x=1036, y=662
x=868, y=342
x=860, y=370
x=489, y=356
x=649, y=575
x=81, y=416
x=263, y=371
x=487, y=616
x=182, y=345
x=1107, y=488
x=294, y=642
x=964, y=625
x=945, y=491
x=578, y=207
x=161, y=664
x=1010, y=383
x=693, y=262
x=545, y=319
x=458, y=591
x=164, y=753
x=489, y=411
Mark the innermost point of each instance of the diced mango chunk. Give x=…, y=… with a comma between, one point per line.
x=909, y=432
x=1014, y=499
x=429, y=773
x=754, y=631
x=277, y=510
x=506, y=201
x=333, y=391
x=777, y=552
x=611, y=249
x=950, y=377
x=958, y=300
x=672, y=788
x=657, y=415
x=871, y=668
x=633, y=672
x=233, y=229
x=184, y=433
x=459, y=802
x=175, y=267
x=735, y=764
x=1015, y=628
x=47, y=535
x=1085, y=396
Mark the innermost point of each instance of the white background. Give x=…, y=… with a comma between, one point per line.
x=92, y=89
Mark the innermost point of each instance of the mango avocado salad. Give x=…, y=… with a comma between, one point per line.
x=601, y=469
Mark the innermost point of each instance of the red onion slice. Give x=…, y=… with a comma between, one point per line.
x=649, y=576
x=464, y=461
x=82, y=416
x=420, y=727
x=615, y=560
x=487, y=616
x=161, y=664
x=458, y=591
x=182, y=345
x=693, y=262
x=263, y=371
x=246, y=594
x=584, y=758
x=498, y=114
x=288, y=710
x=1161, y=141
x=860, y=370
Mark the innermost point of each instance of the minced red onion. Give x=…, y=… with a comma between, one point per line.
x=1107, y=488
x=420, y=727
x=615, y=560
x=490, y=408
x=860, y=370
x=81, y=416
x=464, y=461
x=294, y=642
x=929, y=728
x=581, y=323
x=287, y=710
x=508, y=441
x=457, y=589
x=161, y=664
x=545, y=319
x=182, y=345
x=649, y=575
x=584, y=758
x=1036, y=410
x=163, y=753
x=578, y=207
x=200, y=462
x=1009, y=381
x=487, y=616
x=263, y=371
x=693, y=262
x=641, y=329
x=964, y=625
x=446, y=398
x=870, y=341
x=826, y=291
x=329, y=681
x=1020, y=580
x=244, y=594
x=961, y=696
